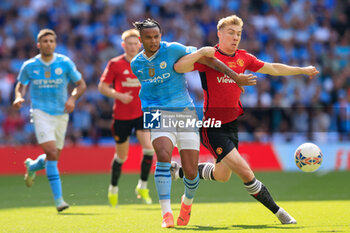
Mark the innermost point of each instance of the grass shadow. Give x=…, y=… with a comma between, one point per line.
x=237, y=227
x=84, y=214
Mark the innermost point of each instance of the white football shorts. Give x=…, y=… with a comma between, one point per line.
x=181, y=137
x=49, y=127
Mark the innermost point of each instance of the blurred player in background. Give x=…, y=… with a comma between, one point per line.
x=49, y=74
x=118, y=82
x=222, y=102
x=165, y=90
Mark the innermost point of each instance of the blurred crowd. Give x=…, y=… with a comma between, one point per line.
x=295, y=32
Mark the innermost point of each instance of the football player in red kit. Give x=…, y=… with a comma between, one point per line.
x=223, y=93
x=118, y=82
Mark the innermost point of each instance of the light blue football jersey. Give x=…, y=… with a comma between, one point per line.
x=48, y=82
x=161, y=86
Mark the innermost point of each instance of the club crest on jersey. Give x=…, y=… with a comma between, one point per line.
x=240, y=62
x=58, y=71
x=47, y=74
x=151, y=72
x=219, y=150
x=163, y=65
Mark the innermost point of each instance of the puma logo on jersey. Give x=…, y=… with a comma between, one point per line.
x=225, y=79
x=36, y=72
x=126, y=72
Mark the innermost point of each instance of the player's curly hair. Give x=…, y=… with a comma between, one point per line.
x=147, y=23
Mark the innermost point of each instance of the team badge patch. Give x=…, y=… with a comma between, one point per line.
x=41, y=135
x=47, y=74
x=240, y=62
x=58, y=71
x=151, y=72
x=163, y=65
x=219, y=150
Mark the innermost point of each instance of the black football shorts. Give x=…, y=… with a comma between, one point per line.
x=220, y=141
x=122, y=129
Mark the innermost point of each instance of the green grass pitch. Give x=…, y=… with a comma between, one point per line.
x=320, y=202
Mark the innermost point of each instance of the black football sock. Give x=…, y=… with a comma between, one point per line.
x=181, y=173
x=205, y=171
x=116, y=172
x=258, y=190
x=146, y=166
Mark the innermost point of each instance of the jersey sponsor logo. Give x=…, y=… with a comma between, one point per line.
x=151, y=72
x=58, y=71
x=163, y=65
x=158, y=79
x=219, y=150
x=125, y=72
x=240, y=62
x=131, y=82
x=225, y=79
x=51, y=83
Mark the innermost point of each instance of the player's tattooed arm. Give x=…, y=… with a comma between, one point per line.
x=240, y=79
x=186, y=63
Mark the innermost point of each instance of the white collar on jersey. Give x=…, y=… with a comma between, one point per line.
x=47, y=63
x=151, y=57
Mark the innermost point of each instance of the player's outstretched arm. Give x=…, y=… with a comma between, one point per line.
x=76, y=93
x=20, y=91
x=285, y=70
x=240, y=79
x=186, y=63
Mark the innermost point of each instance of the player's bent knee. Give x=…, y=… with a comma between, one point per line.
x=191, y=174
x=51, y=155
x=163, y=155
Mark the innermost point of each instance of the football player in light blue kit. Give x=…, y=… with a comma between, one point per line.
x=48, y=74
x=164, y=89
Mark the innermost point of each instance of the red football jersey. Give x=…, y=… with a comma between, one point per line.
x=118, y=73
x=221, y=93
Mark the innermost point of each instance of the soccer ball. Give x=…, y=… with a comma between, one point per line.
x=308, y=157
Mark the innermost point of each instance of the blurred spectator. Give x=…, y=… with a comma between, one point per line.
x=296, y=32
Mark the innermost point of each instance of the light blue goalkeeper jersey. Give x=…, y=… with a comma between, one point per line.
x=161, y=86
x=48, y=82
